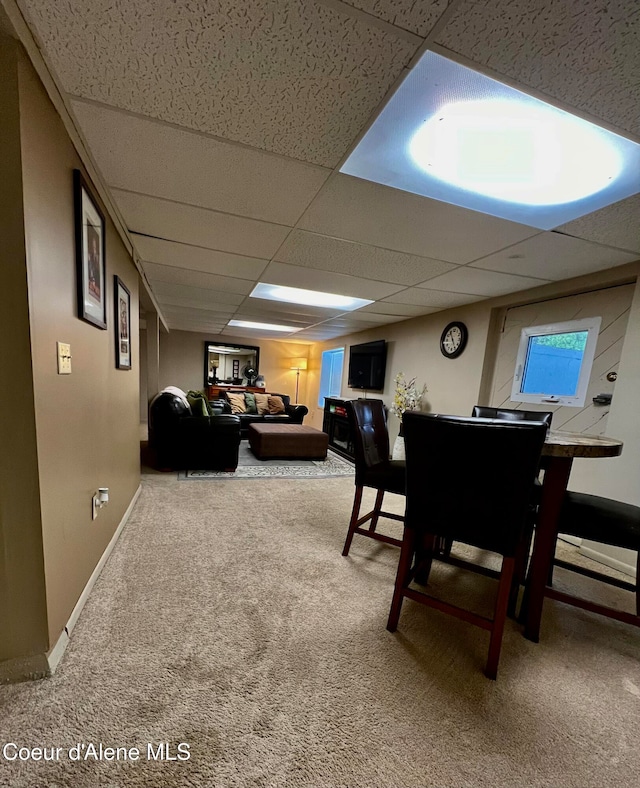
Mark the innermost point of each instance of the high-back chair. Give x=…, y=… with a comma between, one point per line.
x=368, y=420
x=512, y=414
x=470, y=480
x=522, y=557
x=609, y=522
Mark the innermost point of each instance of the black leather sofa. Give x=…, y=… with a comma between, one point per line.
x=179, y=440
x=293, y=414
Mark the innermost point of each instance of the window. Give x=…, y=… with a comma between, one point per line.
x=331, y=374
x=554, y=362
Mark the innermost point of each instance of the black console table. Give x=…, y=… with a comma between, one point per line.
x=336, y=424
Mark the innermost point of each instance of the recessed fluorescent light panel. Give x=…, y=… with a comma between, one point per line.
x=262, y=326
x=455, y=135
x=296, y=295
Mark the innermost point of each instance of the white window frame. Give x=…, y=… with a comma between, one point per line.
x=589, y=324
x=321, y=394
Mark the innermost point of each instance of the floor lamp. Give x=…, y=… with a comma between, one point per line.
x=298, y=364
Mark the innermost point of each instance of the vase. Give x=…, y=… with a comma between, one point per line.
x=398, y=446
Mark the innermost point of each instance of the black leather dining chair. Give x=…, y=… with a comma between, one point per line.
x=470, y=480
x=512, y=414
x=368, y=421
x=609, y=522
x=522, y=557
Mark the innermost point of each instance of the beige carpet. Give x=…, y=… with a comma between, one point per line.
x=227, y=619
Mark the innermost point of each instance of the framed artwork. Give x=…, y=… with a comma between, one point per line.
x=90, y=255
x=122, y=301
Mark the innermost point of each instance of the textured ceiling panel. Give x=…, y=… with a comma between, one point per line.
x=153, y=158
x=617, y=225
x=488, y=283
x=332, y=254
x=198, y=226
x=400, y=310
x=555, y=256
x=183, y=255
x=583, y=53
x=211, y=311
x=196, y=295
x=379, y=216
x=418, y=17
x=167, y=273
x=431, y=298
x=288, y=76
x=327, y=282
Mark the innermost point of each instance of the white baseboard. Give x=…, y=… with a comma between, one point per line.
x=607, y=560
x=55, y=655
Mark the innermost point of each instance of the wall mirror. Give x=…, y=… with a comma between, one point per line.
x=232, y=364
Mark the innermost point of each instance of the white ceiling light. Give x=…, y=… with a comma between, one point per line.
x=297, y=295
x=262, y=326
x=455, y=135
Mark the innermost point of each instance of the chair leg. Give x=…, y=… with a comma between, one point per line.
x=499, y=617
x=402, y=577
x=424, y=557
x=638, y=585
x=353, y=523
x=520, y=570
x=376, y=510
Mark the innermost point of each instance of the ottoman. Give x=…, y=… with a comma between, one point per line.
x=287, y=441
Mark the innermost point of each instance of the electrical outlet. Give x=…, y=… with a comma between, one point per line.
x=64, y=358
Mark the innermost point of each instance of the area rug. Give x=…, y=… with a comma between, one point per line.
x=250, y=467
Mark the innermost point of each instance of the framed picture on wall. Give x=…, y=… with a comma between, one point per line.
x=90, y=255
x=122, y=301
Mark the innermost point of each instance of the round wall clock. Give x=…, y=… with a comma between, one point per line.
x=454, y=339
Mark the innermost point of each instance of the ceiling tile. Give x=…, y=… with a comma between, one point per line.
x=167, y=273
x=311, y=250
x=288, y=76
x=184, y=255
x=554, y=256
x=583, y=53
x=153, y=158
x=198, y=226
x=617, y=225
x=394, y=310
x=487, y=283
x=377, y=215
x=433, y=299
x=419, y=18
x=195, y=295
x=211, y=308
x=294, y=276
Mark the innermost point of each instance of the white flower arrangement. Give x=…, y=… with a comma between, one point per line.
x=407, y=395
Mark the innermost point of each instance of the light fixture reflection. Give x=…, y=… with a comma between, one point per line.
x=262, y=326
x=523, y=153
x=297, y=295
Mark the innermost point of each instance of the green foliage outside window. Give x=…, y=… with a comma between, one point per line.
x=575, y=340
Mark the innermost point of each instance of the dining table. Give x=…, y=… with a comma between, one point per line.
x=558, y=453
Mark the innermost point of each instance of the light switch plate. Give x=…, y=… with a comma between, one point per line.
x=64, y=358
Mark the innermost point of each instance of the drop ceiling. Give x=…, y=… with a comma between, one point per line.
x=219, y=129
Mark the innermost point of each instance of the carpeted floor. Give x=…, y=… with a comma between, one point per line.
x=227, y=619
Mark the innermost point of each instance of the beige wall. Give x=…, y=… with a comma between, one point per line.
x=454, y=386
x=23, y=622
x=86, y=423
x=182, y=361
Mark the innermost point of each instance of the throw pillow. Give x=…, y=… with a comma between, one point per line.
x=276, y=405
x=198, y=403
x=237, y=402
x=250, y=402
x=262, y=403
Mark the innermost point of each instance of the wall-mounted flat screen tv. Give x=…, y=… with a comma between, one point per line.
x=367, y=365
